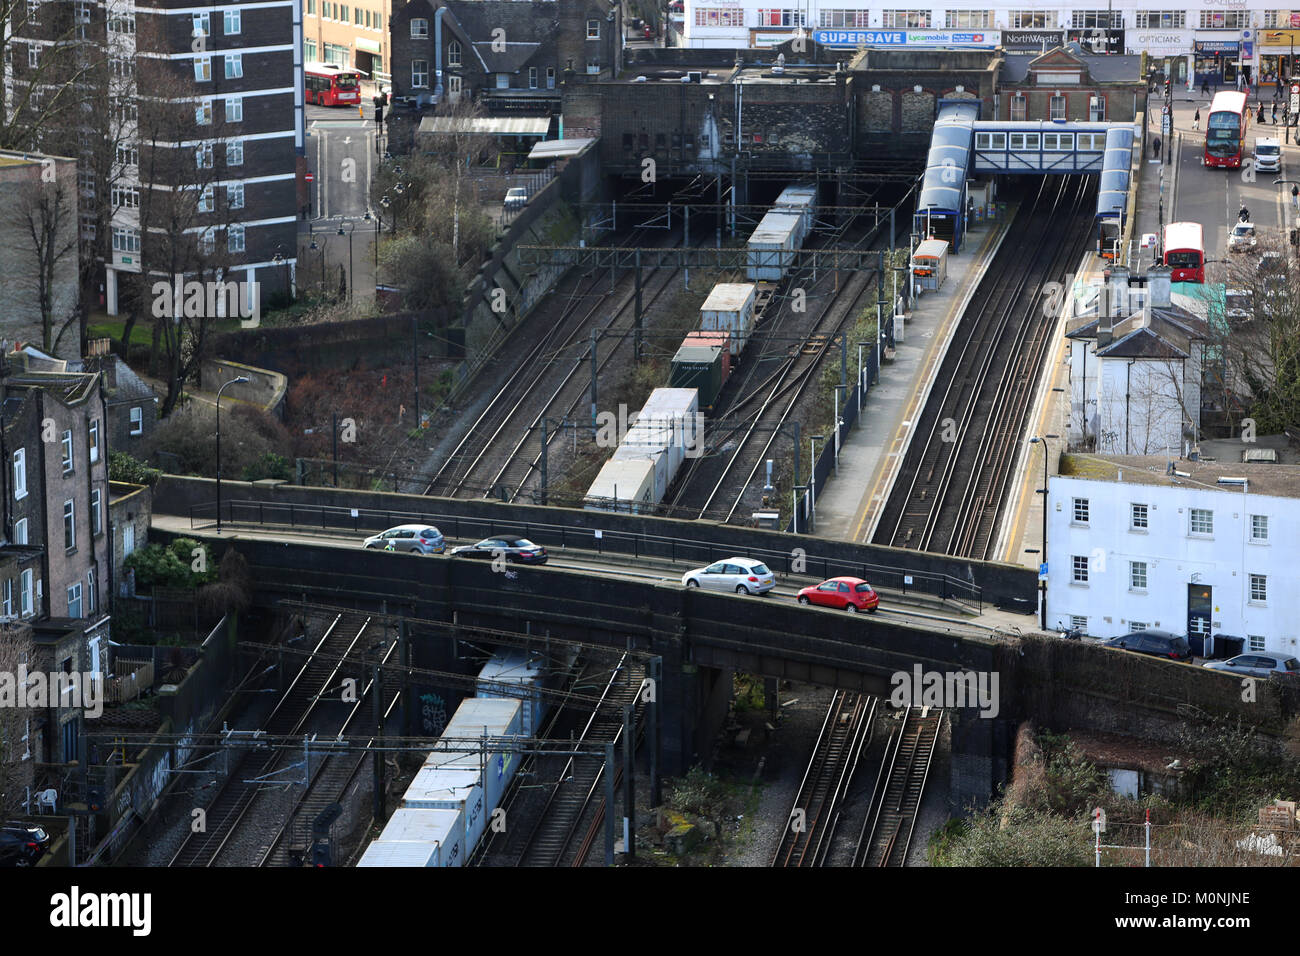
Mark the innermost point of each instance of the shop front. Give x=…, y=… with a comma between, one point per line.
x=1169, y=53
x=1216, y=62
x=1277, y=54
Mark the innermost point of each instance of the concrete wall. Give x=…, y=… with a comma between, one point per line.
x=265, y=388
x=130, y=506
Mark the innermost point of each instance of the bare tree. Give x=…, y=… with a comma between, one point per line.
x=47, y=215
x=17, y=761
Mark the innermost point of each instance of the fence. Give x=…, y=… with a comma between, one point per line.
x=139, y=679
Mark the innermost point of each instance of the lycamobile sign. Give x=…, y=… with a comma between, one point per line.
x=987, y=39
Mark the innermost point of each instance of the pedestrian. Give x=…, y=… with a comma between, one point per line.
x=1260, y=117
x=1196, y=120
x=1155, y=147
x=1295, y=196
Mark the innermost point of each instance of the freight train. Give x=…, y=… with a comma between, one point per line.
x=638, y=475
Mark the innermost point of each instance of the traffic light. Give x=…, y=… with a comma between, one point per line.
x=95, y=798
x=320, y=853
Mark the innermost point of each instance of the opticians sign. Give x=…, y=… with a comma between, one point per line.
x=987, y=39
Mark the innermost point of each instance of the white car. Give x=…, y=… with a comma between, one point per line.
x=1242, y=237
x=516, y=198
x=742, y=575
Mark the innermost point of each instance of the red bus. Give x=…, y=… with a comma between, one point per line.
x=1225, y=133
x=1184, y=251
x=328, y=85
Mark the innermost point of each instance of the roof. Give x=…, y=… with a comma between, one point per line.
x=510, y=59
x=1184, y=235
x=728, y=297
x=487, y=125
x=1282, y=481
x=950, y=145
x=1139, y=334
x=559, y=148
x=701, y=354
x=1112, y=68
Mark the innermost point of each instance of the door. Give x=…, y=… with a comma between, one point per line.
x=825, y=594
x=714, y=578
x=1199, y=605
x=128, y=539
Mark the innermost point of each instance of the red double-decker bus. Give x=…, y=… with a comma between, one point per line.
x=328, y=85
x=1184, y=251
x=1225, y=133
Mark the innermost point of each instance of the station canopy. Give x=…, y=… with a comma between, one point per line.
x=559, y=148
x=486, y=125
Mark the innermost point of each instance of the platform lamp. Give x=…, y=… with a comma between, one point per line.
x=352, y=279
x=812, y=481
x=1042, y=583
x=233, y=381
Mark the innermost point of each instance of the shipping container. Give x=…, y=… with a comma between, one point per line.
x=653, y=452
x=451, y=788
x=772, y=245
x=730, y=308
x=722, y=339
x=441, y=830
x=669, y=422
x=406, y=853
x=475, y=717
x=801, y=200
x=515, y=673
x=625, y=485
x=699, y=367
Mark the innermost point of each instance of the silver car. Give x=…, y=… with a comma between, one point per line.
x=742, y=575
x=421, y=538
x=1258, y=664
x=1242, y=237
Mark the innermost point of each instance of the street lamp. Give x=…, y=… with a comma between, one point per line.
x=313, y=248
x=812, y=481
x=1042, y=587
x=379, y=228
x=233, y=381
x=280, y=260
x=352, y=228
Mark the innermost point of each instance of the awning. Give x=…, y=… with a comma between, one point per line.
x=559, y=148
x=370, y=46
x=490, y=125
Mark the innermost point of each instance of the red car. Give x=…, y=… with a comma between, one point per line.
x=847, y=594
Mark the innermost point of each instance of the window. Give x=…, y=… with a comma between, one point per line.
x=356, y=16
x=234, y=65
x=1056, y=107
x=232, y=24
x=89, y=227
x=1081, y=510
x=1019, y=106
x=1032, y=19
x=1255, y=642
x=126, y=240
x=724, y=17
x=453, y=53
x=120, y=22
x=90, y=591
x=309, y=50
x=69, y=525
x=137, y=421
x=67, y=450
x=367, y=19
x=311, y=12
x=125, y=112
x=203, y=113
x=1091, y=142
x=1137, y=575
x=453, y=84
x=593, y=67
x=1162, y=19
x=235, y=196
x=126, y=197
x=20, y=474
x=34, y=12
x=25, y=592
x=121, y=67
x=532, y=77
x=1080, y=622
x=419, y=28
x=7, y=606
x=20, y=531
x=1270, y=18
x=203, y=157
x=96, y=516
x=593, y=29
x=1259, y=527
x=343, y=14
x=1137, y=625
x=207, y=246
x=503, y=81
x=235, y=152
x=202, y=68
x=1097, y=19
x=128, y=156
x=34, y=57
x=1259, y=588
x=967, y=19
x=74, y=600
x=234, y=109
x=1058, y=141
x=781, y=18
x=1202, y=521
x=550, y=77
x=990, y=140
x=202, y=25
x=1079, y=563
x=1137, y=517
x=205, y=199
x=235, y=238
x=420, y=74
x=1227, y=20
x=1024, y=141
x=905, y=19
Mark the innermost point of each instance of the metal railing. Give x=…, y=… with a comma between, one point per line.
x=637, y=544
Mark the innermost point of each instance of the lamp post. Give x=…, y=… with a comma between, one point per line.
x=812, y=481
x=1042, y=585
x=313, y=248
x=280, y=260
x=379, y=228
x=352, y=279
x=233, y=381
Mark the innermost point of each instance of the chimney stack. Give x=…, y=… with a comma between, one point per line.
x=1112, y=304
x=1159, y=279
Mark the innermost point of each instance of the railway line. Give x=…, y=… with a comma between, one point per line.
x=966, y=442
x=887, y=833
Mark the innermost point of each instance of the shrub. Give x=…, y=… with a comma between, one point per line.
x=171, y=566
x=124, y=467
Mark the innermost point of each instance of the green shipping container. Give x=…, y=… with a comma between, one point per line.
x=698, y=367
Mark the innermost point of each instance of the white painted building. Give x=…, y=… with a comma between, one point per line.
x=1210, y=39
x=1131, y=547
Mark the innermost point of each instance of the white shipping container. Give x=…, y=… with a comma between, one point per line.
x=625, y=485
x=450, y=788
x=771, y=246
x=440, y=827
x=660, y=462
x=523, y=677
x=405, y=853
x=730, y=308
x=475, y=717
x=801, y=200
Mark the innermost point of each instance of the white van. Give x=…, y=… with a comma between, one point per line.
x=1268, y=154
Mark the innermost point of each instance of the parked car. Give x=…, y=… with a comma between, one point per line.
x=845, y=594
x=517, y=550
x=422, y=538
x=1258, y=664
x=516, y=198
x=1242, y=238
x=1239, y=304
x=742, y=575
x=22, y=844
x=1155, y=643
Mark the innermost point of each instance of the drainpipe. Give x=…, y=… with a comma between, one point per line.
x=437, y=52
x=1128, y=377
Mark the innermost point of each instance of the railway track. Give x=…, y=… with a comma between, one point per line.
x=547, y=376
x=966, y=441
x=887, y=833
x=810, y=829
x=317, y=676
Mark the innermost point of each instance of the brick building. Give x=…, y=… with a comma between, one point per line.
x=1069, y=85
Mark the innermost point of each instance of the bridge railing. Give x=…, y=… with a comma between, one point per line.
x=793, y=561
